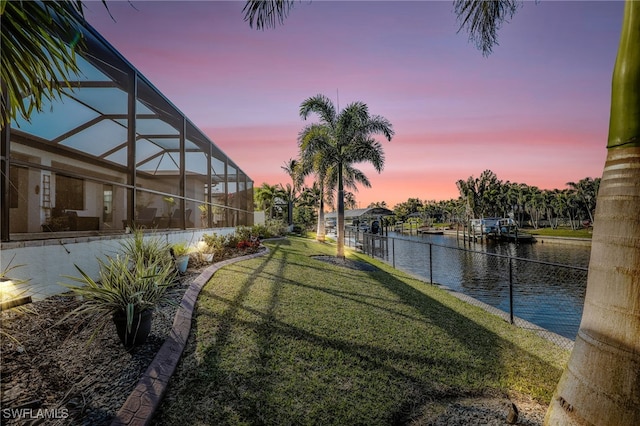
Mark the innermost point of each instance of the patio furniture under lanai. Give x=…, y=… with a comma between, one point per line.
x=146, y=218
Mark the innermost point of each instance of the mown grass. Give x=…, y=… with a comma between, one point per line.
x=287, y=339
x=562, y=232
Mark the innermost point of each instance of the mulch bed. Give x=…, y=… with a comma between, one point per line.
x=52, y=370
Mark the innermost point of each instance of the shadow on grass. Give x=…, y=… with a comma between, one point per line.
x=402, y=377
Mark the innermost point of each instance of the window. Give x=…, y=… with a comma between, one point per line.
x=14, y=185
x=69, y=193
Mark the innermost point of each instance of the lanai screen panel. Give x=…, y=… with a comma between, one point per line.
x=115, y=133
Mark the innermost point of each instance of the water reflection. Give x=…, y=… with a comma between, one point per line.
x=546, y=294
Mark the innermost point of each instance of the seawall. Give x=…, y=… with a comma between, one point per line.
x=586, y=242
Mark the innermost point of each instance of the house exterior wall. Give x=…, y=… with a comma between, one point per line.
x=45, y=263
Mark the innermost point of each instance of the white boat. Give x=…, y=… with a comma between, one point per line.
x=505, y=229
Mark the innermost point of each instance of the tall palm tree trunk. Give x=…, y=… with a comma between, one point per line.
x=340, y=222
x=601, y=384
x=320, y=232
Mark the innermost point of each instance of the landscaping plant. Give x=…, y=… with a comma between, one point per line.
x=125, y=287
x=149, y=249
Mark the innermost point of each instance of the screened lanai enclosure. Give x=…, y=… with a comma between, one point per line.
x=113, y=154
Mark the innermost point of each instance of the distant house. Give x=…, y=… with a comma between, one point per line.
x=360, y=215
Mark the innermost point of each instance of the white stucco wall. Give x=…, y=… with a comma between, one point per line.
x=259, y=218
x=45, y=262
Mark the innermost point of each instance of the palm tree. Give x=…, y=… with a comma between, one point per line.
x=39, y=43
x=572, y=206
x=536, y=206
x=350, y=202
x=316, y=162
x=469, y=193
x=601, y=384
x=292, y=168
x=377, y=204
x=586, y=190
x=265, y=196
x=488, y=186
x=305, y=210
x=321, y=164
x=347, y=140
x=288, y=195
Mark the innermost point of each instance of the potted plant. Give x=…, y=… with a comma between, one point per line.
x=214, y=245
x=203, y=253
x=181, y=254
x=126, y=292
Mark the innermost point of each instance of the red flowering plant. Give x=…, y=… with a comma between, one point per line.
x=254, y=242
x=247, y=240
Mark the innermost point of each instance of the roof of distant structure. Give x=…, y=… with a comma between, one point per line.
x=374, y=211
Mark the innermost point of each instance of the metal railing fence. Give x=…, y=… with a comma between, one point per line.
x=541, y=296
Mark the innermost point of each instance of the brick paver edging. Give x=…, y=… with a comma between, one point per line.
x=145, y=398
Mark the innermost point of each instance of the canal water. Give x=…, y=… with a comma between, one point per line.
x=544, y=292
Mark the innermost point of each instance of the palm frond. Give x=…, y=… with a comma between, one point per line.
x=266, y=13
x=483, y=19
x=38, y=44
x=379, y=125
x=322, y=106
x=366, y=150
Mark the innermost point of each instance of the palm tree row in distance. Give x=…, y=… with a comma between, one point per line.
x=484, y=196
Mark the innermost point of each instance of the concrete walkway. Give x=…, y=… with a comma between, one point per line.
x=142, y=403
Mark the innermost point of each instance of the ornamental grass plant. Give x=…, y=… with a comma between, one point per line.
x=125, y=287
x=150, y=248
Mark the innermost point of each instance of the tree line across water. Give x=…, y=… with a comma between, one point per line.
x=483, y=196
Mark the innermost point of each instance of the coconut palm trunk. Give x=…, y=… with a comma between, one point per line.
x=601, y=384
x=340, y=221
x=321, y=231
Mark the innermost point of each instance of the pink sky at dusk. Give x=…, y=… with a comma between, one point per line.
x=536, y=111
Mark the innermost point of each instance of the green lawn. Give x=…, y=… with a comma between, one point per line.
x=561, y=232
x=287, y=339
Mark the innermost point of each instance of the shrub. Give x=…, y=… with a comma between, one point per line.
x=151, y=249
x=213, y=241
x=244, y=233
x=216, y=245
x=275, y=228
x=124, y=286
x=180, y=249
x=231, y=241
